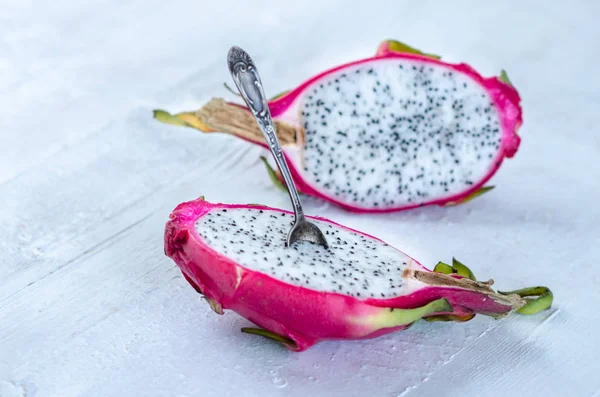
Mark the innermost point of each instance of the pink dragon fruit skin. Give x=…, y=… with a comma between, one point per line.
x=301, y=315
x=289, y=109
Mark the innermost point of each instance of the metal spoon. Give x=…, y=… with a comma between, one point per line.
x=248, y=82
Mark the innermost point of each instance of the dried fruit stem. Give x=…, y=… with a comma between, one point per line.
x=224, y=117
x=440, y=279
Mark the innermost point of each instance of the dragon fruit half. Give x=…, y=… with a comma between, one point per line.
x=396, y=131
x=359, y=287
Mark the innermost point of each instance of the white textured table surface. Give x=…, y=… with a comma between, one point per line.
x=89, y=304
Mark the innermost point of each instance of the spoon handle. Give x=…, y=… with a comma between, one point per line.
x=247, y=80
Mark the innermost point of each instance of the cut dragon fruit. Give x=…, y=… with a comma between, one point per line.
x=392, y=132
x=359, y=287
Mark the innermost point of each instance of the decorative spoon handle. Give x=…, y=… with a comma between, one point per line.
x=248, y=82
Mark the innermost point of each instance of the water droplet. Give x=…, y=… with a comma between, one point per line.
x=311, y=378
x=316, y=365
x=272, y=372
x=279, y=382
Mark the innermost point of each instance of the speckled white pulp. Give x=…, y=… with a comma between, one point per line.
x=353, y=264
x=397, y=132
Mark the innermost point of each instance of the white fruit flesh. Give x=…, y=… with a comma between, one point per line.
x=354, y=264
x=384, y=134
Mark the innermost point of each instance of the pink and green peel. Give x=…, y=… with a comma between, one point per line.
x=285, y=110
x=306, y=316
